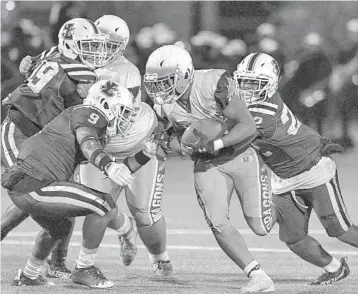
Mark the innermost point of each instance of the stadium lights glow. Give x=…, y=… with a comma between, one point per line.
x=10, y=5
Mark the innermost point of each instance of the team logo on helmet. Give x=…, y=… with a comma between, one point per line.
x=109, y=88
x=68, y=30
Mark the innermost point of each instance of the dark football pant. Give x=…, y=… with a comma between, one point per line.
x=53, y=200
x=295, y=209
x=11, y=140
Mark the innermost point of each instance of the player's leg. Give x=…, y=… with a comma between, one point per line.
x=349, y=232
x=144, y=199
x=295, y=209
x=90, y=176
x=12, y=217
x=63, y=200
x=253, y=187
x=214, y=189
x=11, y=140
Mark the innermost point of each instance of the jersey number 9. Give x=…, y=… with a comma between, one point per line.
x=93, y=118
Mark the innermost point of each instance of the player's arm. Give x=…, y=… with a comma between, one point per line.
x=244, y=130
x=28, y=62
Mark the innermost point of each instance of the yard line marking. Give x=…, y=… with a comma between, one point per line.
x=169, y=232
x=181, y=247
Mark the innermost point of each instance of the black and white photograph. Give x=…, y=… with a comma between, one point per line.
x=179, y=147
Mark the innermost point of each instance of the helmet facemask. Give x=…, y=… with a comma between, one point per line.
x=253, y=90
x=92, y=52
x=162, y=89
x=114, y=50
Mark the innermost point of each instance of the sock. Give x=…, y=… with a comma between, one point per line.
x=333, y=266
x=156, y=257
x=58, y=256
x=33, y=268
x=253, y=269
x=127, y=225
x=86, y=257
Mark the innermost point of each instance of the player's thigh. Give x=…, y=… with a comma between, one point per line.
x=330, y=208
x=253, y=186
x=69, y=199
x=90, y=176
x=11, y=141
x=214, y=189
x=294, y=213
x=144, y=196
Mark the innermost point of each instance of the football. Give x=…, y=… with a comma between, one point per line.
x=212, y=128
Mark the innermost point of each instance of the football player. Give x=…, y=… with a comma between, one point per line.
x=145, y=202
x=184, y=95
x=39, y=182
x=56, y=83
x=305, y=177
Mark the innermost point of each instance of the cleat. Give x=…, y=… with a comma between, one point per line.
x=163, y=268
x=91, y=277
x=22, y=280
x=128, y=244
x=259, y=284
x=57, y=270
x=328, y=278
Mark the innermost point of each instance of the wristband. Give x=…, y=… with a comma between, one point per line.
x=126, y=163
x=218, y=144
x=103, y=161
x=141, y=158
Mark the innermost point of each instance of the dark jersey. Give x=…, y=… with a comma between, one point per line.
x=51, y=88
x=54, y=152
x=287, y=146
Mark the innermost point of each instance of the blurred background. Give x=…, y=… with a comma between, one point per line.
x=315, y=44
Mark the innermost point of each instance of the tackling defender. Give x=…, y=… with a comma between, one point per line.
x=39, y=182
x=305, y=177
x=56, y=83
x=143, y=201
x=184, y=95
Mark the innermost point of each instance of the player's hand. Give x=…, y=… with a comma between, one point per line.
x=83, y=88
x=151, y=149
x=204, y=144
x=119, y=173
x=329, y=147
x=25, y=65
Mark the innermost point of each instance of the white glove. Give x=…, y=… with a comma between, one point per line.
x=119, y=173
x=150, y=149
x=25, y=64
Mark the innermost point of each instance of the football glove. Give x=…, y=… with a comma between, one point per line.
x=204, y=144
x=329, y=147
x=25, y=65
x=119, y=173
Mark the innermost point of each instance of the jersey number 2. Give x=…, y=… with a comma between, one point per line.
x=42, y=75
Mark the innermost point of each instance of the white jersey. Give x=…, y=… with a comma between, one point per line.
x=123, y=72
x=139, y=133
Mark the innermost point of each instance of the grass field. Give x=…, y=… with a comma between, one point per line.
x=200, y=266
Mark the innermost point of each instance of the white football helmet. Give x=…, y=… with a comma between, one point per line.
x=257, y=77
x=79, y=37
x=119, y=35
x=117, y=104
x=168, y=74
